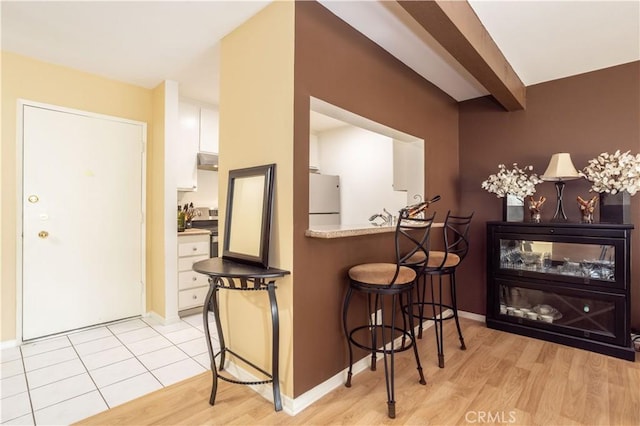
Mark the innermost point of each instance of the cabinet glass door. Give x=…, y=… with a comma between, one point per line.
x=581, y=261
x=582, y=314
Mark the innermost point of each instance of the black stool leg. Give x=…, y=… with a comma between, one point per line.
x=373, y=322
x=421, y=302
x=438, y=322
x=422, y=381
x=441, y=324
x=404, y=322
x=454, y=304
x=345, y=307
x=389, y=365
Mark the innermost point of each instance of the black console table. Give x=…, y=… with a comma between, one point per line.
x=568, y=283
x=225, y=274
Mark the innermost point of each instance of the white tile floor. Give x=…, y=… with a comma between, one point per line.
x=67, y=378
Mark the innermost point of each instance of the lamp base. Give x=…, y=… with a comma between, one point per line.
x=560, y=215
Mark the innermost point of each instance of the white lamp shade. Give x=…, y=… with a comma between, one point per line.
x=560, y=168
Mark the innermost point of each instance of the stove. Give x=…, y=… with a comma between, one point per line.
x=208, y=219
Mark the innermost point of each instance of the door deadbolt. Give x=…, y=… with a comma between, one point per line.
x=33, y=198
x=43, y=234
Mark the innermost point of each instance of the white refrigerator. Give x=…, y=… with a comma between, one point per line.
x=324, y=199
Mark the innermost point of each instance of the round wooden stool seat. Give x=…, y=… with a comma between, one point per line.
x=381, y=274
x=438, y=259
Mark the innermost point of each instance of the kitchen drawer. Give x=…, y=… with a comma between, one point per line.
x=192, y=297
x=194, y=248
x=191, y=279
x=186, y=263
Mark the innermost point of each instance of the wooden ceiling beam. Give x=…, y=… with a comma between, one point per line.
x=458, y=29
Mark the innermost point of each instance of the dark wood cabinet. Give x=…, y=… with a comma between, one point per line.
x=567, y=283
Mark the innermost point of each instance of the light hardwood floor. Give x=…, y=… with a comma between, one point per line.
x=501, y=378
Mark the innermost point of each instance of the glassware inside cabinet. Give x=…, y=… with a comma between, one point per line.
x=592, y=261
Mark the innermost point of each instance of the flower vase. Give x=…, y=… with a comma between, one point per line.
x=512, y=209
x=615, y=208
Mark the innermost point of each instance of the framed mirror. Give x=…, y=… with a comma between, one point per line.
x=248, y=216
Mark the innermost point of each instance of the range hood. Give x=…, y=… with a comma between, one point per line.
x=207, y=161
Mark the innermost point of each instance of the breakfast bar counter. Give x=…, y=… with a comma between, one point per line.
x=342, y=231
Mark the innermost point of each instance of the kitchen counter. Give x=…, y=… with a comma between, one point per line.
x=342, y=231
x=195, y=231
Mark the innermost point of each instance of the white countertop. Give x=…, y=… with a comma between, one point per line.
x=342, y=231
x=195, y=231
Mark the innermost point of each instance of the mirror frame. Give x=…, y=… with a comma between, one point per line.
x=266, y=213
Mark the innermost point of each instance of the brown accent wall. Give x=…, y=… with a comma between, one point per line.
x=335, y=63
x=584, y=115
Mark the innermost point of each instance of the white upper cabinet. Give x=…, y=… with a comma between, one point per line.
x=198, y=132
x=408, y=168
x=188, y=141
x=400, y=167
x=209, y=119
x=314, y=154
x=415, y=175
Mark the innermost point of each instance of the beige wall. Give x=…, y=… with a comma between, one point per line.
x=25, y=78
x=256, y=127
x=155, y=202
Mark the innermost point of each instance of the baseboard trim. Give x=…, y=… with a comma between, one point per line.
x=471, y=316
x=162, y=320
x=9, y=344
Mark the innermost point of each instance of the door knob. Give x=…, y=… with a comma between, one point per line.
x=43, y=234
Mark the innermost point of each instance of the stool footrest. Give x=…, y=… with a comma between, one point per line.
x=430, y=318
x=403, y=334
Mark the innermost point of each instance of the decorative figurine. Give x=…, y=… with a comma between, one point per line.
x=535, y=206
x=587, y=208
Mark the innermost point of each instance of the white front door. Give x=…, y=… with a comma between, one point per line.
x=83, y=248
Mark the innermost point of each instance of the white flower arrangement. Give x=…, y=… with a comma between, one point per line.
x=515, y=182
x=613, y=173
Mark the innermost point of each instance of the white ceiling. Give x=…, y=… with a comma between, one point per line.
x=146, y=42
x=548, y=40
x=141, y=42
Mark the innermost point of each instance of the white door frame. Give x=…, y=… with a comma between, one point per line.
x=19, y=201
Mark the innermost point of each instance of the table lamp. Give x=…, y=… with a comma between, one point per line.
x=559, y=170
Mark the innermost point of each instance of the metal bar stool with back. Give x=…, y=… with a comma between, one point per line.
x=442, y=263
x=394, y=281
